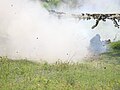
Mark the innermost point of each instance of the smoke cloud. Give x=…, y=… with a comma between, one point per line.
x=28, y=31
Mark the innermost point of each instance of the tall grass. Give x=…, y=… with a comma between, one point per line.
x=27, y=75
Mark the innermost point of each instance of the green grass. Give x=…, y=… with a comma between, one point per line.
x=102, y=74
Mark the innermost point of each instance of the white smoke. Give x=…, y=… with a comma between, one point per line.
x=28, y=31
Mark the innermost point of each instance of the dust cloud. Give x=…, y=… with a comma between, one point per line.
x=28, y=31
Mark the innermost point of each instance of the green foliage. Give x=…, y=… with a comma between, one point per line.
x=115, y=45
x=51, y=3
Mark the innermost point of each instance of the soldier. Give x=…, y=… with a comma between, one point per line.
x=96, y=46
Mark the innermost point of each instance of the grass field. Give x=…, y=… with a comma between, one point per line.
x=101, y=74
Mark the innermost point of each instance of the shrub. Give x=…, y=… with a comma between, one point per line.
x=115, y=45
x=51, y=3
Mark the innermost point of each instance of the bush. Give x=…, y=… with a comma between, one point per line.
x=51, y=3
x=115, y=45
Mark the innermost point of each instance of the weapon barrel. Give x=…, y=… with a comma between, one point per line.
x=115, y=17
